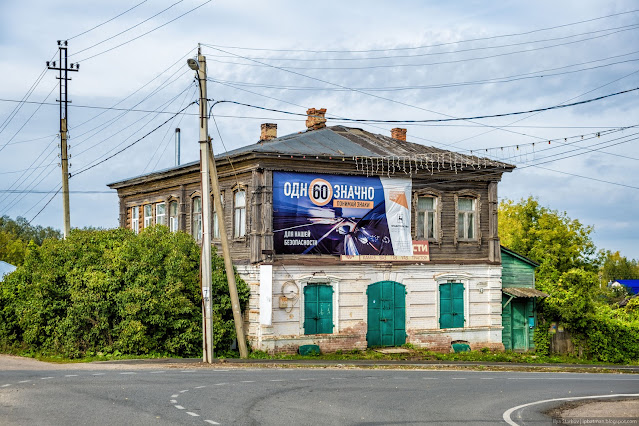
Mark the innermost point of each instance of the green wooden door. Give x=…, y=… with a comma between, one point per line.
x=386, y=314
x=519, y=322
x=451, y=305
x=318, y=309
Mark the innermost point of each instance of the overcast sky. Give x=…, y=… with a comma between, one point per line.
x=406, y=60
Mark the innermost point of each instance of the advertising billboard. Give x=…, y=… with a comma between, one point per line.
x=341, y=215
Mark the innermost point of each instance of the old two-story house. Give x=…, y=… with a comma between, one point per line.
x=348, y=239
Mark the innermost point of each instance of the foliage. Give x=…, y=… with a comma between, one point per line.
x=112, y=291
x=16, y=234
x=569, y=272
x=618, y=267
x=546, y=236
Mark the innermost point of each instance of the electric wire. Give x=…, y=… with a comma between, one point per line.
x=106, y=22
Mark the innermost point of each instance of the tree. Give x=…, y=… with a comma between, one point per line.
x=550, y=238
x=16, y=234
x=618, y=267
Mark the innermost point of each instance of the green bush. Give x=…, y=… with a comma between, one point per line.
x=113, y=292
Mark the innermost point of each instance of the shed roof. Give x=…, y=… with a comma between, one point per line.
x=523, y=292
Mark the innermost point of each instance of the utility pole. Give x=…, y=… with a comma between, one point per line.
x=208, y=170
x=64, y=156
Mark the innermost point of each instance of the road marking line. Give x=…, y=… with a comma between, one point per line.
x=70, y=375
x=185, y=390
x=173, y=401
x=98, y=374
x=459, y=378
x=220, y=384
x=211, y=422
x=187, y=371
x=247, y=381
x=277, y=380
x=429, y=378
x=157, y=372
x=24, y=381
x=307, y=379
x=45, y=378
x=561, y=378
x=175, y=396
x=336, y=378
x=179, y=407
x=508, y=412
x=4, y=386
x=129, y=372
x=487, y=378
x=192, y=414
x=199, y=387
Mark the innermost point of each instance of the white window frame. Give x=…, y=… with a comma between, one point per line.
x=174, y=220
x=239, y=215
x=476, y=219
x=148, y=219
x=160, y=218
x=216, y=224
x=426, y=212
x=135, y=219
x=194, y=219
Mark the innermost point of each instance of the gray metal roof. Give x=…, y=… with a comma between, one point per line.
x=345, y=142
x=523, y=292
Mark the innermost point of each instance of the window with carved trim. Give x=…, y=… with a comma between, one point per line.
x=173, y=216
x=196, y=218
x=466, y=218
x=160, y=214
x=135, y=219
x=426, y=217
x=239, y=214
x=216, y=223
x=148, y=215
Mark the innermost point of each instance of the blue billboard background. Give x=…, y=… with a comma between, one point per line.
x=347, y=218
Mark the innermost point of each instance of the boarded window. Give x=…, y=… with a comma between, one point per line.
x=451, y=305
x=318, y=309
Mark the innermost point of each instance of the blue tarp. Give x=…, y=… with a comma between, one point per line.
x=632, y=285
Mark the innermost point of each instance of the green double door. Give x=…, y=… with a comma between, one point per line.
x=386, y=314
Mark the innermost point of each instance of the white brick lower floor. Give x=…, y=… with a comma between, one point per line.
x=275, y=320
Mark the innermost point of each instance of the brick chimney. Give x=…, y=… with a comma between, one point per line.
x=269, y=131
x=398, y=133
x=315, y=118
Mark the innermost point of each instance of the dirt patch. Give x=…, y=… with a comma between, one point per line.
x=589, y=410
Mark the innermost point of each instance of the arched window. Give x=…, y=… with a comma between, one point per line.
x=196, y=218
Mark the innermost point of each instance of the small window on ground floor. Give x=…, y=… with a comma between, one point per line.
x=318, y=309
x=451, y=305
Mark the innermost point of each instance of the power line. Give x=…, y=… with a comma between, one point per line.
x=106, y=22
x=439, y=120
x=148, y=32
x=415, y=65
x=431, y=45
x=91, y=106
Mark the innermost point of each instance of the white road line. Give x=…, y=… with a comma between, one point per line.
x=247, y=381
x=187, y=371
x=430, y=378
x=487, y=378
x=211, y=422
x=459, y=378
x=98, y=374
x=509, y=412
x=220, y=384
x=277, y=380
x=157, y=372
x=199, y=387
x=129, y=372
x=192, y=414
x=173, y=401
x=307, y=379
x=565, y=378
x=70, y=375
x=185, y=390
x=45, y=378
x=179, y=407
x=175, y=396
x=7, y=385
x=24, y=381
x=334, y=378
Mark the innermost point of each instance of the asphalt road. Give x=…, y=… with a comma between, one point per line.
x=274, y=396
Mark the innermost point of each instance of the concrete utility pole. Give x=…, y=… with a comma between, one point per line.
x=64, y=156
x=208, y=170
x=205, y=261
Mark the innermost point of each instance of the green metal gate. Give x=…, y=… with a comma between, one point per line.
x=386, y=314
